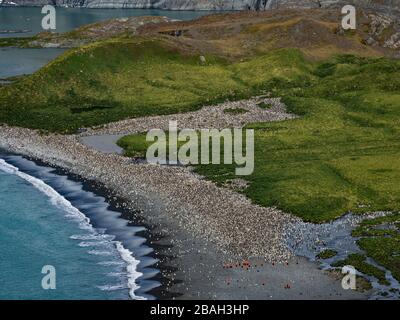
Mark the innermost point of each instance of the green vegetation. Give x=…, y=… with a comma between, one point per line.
x=358, y=262
x=380, y=239
x=342, y=154
x=134, y=145
x=114, y=80
x=326, y=254
x=362, y=284
x=20, y=42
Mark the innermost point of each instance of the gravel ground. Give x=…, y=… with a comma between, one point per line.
x=208, y=117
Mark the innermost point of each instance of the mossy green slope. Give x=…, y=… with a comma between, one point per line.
x=110, y=81
x=342, y=154
x=115, y=79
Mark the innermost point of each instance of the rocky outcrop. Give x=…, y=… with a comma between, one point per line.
x=384, y=31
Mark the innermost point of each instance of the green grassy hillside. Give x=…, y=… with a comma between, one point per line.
x=341, y=155
x=114, y=80
x=106, y=82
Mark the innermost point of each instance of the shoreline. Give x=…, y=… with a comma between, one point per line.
x=173, y=193
x=196, y=267
x=114, y=204
x=135, y=219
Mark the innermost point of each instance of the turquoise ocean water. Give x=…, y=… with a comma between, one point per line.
x=39, y=227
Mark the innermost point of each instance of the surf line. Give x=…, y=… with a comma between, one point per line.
x=84, y=222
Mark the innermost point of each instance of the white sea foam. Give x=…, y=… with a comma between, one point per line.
x=131, y=268
x=116, y=274
x=100, y=253
x=95, y=237
x=93, y=244
x=84, y=223
x=111, y=287
x=111, y=263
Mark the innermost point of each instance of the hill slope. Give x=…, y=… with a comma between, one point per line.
x=154, y=72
